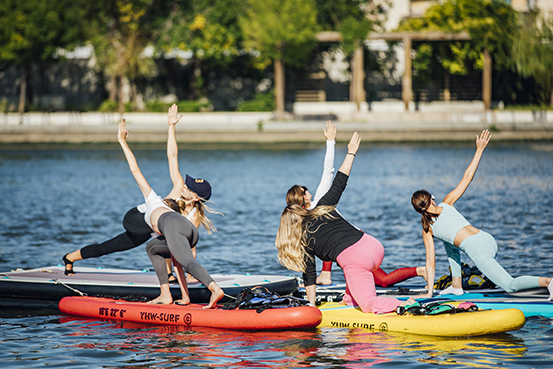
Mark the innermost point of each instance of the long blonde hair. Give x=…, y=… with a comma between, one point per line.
x=292, y=237
x=179, y=206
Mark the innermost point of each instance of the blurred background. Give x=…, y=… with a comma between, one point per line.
x=273, y=55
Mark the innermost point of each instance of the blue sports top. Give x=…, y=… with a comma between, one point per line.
x=448, y=223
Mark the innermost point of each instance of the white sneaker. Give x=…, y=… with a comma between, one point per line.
x=550, y=289
x=453, y=291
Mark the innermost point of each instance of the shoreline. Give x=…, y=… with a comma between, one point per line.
x=262, y=129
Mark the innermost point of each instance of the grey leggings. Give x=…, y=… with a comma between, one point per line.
x=180, y=236
x=482, y=249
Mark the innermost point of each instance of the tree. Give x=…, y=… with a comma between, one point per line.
x=490, y=24
x=281, y=31
x=32, y=31
x=533, y=50
x=120, y=31
x=209, y=31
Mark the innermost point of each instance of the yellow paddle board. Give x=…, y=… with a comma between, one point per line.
x=470, y=323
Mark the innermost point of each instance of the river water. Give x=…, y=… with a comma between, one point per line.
x=60, y=199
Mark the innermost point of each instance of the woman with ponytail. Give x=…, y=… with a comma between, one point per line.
x=445, y=223
x=322, y=232
x=300, y=195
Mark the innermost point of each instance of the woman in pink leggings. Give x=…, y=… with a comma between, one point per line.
x=300, y=195
x=322, y=232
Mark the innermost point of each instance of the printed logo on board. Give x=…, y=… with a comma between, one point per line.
x=188, y=319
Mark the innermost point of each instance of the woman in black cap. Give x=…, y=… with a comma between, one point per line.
x=180, y=234
x=136, y=230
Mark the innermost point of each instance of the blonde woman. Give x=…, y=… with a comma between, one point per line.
x=180, y=234
x=300, y=195
x=322, y=232
x=445, y=223
x=136, y=230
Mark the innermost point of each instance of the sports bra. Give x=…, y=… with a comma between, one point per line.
x=448, y=223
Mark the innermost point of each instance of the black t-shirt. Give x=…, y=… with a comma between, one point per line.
x=327, y=238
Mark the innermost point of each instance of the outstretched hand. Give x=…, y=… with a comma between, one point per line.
x=172, y=116
x=123, y=133
x=353, y=145
x=482, y=141
x=330, y=131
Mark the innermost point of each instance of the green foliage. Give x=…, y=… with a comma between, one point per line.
x=261, y=102
x=185, y=106
x=533, y=50
x=280, y=30
x=33, y=30
x=207, y=28
x=353, y=19
x=490, y=24
x=108, y=106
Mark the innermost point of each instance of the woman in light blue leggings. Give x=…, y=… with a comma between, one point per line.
x=445, y=223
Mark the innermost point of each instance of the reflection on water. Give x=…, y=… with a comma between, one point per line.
x=55, y=201
x=78, y=341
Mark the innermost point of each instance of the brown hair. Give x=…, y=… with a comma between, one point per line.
x=421, y=200
x=295, y=195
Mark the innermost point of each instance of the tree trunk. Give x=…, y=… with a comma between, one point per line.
x=112, y=88
x=23, y=91
x=551, y=90
x=133, y=95
x=359, y=76
x=120, y=96
x=487, y=80
x=407, y=92
x=279, y=89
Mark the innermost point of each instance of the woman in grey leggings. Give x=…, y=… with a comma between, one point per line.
x=179, y=232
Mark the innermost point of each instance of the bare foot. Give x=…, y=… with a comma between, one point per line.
x=182, y=302
x=161, y=300
x=324, y=278
x=409, y=301
x=323, y=281
x=191, y=279
x=215, y=296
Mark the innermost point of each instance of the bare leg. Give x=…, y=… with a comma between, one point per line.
x=216, y=294
x=164, y=298
x=185, y=300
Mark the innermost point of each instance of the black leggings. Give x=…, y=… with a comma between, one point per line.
x=180, y=236
x=137, y=232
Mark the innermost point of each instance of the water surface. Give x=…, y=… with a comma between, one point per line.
x=55, y=201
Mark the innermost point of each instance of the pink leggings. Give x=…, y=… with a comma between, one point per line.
x=358, y=262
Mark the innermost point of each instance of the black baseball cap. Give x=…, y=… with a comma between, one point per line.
x=200, y=186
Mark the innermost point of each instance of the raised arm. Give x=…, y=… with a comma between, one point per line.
x=328, y=167
x=173, y=153
x=122, y=136
x=353, y=146
x=481, y=143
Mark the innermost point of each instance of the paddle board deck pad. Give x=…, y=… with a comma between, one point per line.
x=46, y=286
x=470, y=323
x=532, y=302
x=193, y=315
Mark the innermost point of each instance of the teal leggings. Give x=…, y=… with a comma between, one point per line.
x=482, y=249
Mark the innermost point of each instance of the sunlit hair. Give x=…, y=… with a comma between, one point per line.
x=201, y=209
x=296, y=195
x=292, y=237
x=421, y=200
